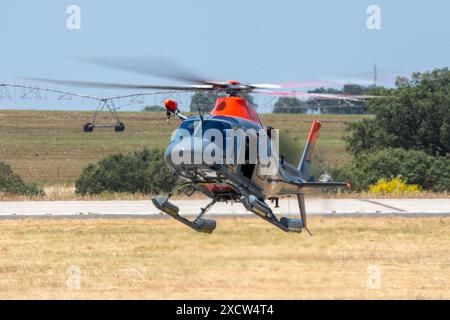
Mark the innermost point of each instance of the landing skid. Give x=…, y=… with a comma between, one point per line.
x=262, y=210
x=251, y=203
x=199, y=224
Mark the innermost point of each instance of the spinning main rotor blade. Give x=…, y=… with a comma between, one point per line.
x=106, y=85
x=151, y=65
x=160, y=66
x=207, y=87
x=314, y=83
x=218, y=86
x=383, y=77
x=265, y=86
x=329, y=96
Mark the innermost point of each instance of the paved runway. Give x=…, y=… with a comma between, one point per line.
x=142, y=208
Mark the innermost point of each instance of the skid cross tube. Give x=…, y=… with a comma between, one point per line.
x=204, y=210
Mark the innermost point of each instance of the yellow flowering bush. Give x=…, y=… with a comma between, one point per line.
x=393, y=186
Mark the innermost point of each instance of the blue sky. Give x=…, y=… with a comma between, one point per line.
x=253, y=41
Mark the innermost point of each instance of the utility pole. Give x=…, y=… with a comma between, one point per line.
x=374, y=75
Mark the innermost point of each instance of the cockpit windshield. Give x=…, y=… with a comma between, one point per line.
x=197, y=128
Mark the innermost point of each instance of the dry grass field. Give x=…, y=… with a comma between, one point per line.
x=244, y=258
x=50, y=146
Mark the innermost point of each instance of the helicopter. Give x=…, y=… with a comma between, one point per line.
x=236, y=171
x=251, y=183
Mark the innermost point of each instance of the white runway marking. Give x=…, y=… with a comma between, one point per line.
x=287, y=207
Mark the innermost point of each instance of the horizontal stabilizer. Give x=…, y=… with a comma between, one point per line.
x=325, y=184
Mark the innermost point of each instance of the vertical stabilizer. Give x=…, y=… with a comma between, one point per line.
x=304, y=165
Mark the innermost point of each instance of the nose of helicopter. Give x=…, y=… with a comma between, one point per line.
x=190, y=153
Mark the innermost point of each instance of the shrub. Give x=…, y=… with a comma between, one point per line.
x=12, y=184
x=411, y=166
x=415, y=115
x=394, y=186
x=437, y=177
x=141, y=171
x=289, y=147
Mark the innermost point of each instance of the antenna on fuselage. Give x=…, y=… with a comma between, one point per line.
x=200, y=113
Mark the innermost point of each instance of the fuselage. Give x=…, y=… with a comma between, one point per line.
x=206, y=151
